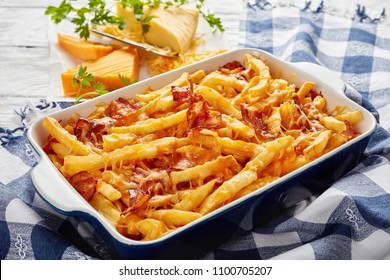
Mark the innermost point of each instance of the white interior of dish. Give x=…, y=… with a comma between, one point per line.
x=54, y=188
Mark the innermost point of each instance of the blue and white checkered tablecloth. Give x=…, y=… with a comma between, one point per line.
x=350, y=220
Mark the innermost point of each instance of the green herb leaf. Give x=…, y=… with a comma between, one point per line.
x=84, y=80
x=124, y=79
x=59, y=13
x=95, y=12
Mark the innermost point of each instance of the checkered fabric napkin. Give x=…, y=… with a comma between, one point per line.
x=350, y=220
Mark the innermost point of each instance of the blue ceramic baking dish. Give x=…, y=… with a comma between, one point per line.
x=232, y=219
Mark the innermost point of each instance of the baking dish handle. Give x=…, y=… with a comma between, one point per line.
x=55, y=190
x=328, y=76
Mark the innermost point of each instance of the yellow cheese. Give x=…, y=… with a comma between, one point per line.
x=133, y=26
x=172, y=27
x=83, y=49
x=106, y=70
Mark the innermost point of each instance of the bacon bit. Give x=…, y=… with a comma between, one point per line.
x=350, y=132
x=47, y=147
x=84, y=183
x=199, y=117
x=121, y=109
x=255, y=120
x=164, y=162
x=150, y=183
x=185, y=94
x=296, y=100
x=92, y=131
x=83, y=130
x=137, y=198
x=313, y=94
x=182, y=94
x=232, y=67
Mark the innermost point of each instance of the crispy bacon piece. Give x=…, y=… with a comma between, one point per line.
x=83, y=130
x=199, y=116
x=121, y=110
x=182, y=94
x=231, y=67
x=235, y=69
x=350, y=132
x=185, y=94
x=84, y=183
x=163, y=162
x=313, y=94
x=255, y=120
x=92, y=131
x=137, y=199
x=47, y=147
x=150, y=183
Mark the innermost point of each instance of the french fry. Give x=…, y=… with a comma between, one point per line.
x=115, y=141
x=305, y=89
x=193, y=199
x=106, y=208
x=352, y=117
x=218, y=101
x=55, y=160
x=276, y=98
x=239, y=128
x=64, y=137
x=227, y=145
x=336, y=140
x=173, y=217
x=318, y=145
x=152, y=125
x=197, y=76
x=60, y=149
x=151, y=228
x=274, y=122
x=127, y=225
x=287, y=114
x=272, y=151
x=108, y=191
x=259, y=183
x=76, y=164
x=163, y=200
x=333, y=124
x=320, y=103
x=216, y=79
x=202, y=171
x=227, y=190
x=150, y=107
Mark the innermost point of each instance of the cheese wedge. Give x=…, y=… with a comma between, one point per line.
x=106, y=70
x=81, y=48
x=172, y=27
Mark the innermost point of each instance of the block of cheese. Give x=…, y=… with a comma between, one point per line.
x=81, y=48
x=105, y=70
x=172, y=27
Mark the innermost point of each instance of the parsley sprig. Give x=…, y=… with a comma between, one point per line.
x=95, y=12
x=84, y=80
